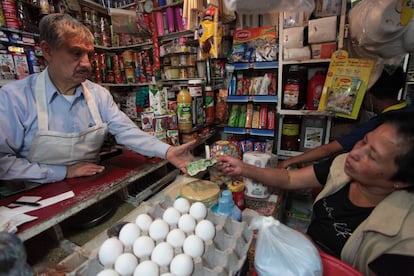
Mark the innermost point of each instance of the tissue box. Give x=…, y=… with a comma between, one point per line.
x=322, y=30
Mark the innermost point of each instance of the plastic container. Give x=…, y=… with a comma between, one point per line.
x=227, y=207
x=314, y=91
x=184, y=110
x=313, y=131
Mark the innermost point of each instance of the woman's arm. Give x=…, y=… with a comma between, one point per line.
x=280, y=178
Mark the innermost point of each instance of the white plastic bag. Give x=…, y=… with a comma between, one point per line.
x=281, y=250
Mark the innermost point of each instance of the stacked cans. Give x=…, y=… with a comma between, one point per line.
x=10, y=14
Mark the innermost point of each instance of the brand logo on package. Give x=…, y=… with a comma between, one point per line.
x=243, y=34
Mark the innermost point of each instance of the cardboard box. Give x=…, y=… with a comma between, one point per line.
x=293, y=37
x=322, y=30
x=22, y=67
x=7, y=69
x=323, y=50
x=255, y=45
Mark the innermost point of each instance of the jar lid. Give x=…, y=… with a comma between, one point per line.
x=196, y=81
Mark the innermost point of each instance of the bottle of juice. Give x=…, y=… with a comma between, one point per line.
x=184, y=110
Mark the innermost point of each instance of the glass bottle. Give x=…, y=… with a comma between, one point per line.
x=294, y=89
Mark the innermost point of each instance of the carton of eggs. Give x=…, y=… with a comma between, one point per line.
x=204, y=243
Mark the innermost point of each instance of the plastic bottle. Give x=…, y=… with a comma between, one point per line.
x=227, y=207
x=294, y=89
x=209, y=104
x=314, y=91
x=184, y=110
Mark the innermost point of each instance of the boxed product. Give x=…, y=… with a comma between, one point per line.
x=322, y=29
x=22, y=68
x=7, y=68
x=323, y=50
x=255, y=44
x=293, y=37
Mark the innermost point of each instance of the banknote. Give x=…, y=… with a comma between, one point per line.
x=200, y=165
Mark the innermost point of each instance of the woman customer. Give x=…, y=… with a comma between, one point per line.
x=364, y=214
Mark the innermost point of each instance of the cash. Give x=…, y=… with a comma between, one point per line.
x=200, y=165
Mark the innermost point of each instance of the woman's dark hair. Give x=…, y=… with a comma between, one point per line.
x=404, y=124
x=13, y=256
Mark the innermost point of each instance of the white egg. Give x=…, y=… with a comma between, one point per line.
x=158, y=230
x=176, y=238
x=182, y=265
x=198, y=210
x=109, y=251
x=108, y=272
x=143, y=246
x=167, y=274
x=187, y=223
x=162, y=254
x=147, y=268
x=125, y=264
x=205, y=230
x=129, y=233
x=193, y=246
x=171, y=216
x=182, y=205
x=143, y=221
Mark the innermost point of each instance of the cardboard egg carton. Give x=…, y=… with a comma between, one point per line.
x=224, y=255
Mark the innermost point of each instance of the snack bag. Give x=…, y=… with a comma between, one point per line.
x=210, y=31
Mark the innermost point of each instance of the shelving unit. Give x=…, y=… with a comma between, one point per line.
x=313, y=64
x=250, y=71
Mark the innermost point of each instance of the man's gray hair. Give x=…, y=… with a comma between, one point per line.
x=57, y=28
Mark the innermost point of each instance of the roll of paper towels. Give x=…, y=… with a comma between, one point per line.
x=262, y=160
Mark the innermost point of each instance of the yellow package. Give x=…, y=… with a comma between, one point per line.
x=345, y=85
x=210, y=33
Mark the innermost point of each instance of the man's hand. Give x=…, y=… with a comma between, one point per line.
x=179, y=156
x=83, y=169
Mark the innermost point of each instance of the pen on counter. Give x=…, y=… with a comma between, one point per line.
x=35, y=204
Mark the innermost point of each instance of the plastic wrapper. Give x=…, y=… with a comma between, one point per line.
x=210, y=33
x=266, y=6
x=382, y=29
x=281, y=250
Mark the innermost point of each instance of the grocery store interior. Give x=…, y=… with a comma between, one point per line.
x=275, y=84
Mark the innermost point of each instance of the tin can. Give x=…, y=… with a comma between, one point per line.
x=128, y=59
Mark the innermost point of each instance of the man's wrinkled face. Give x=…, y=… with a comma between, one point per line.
x=72, y=61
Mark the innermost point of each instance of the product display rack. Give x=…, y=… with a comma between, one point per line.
x=255, y=99
x=309, y=63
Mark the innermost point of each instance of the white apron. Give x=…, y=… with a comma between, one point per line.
x=59, y=148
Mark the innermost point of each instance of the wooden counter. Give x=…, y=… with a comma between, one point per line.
x=120, y=171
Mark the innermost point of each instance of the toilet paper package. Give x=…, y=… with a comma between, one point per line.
x=262, y=160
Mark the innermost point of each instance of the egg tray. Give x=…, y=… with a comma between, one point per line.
x=224, y=255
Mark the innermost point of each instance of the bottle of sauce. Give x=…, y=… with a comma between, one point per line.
x=209, y=104
x=290, y=133
x=314, y=91
x=294, y=89
x=184, y=110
